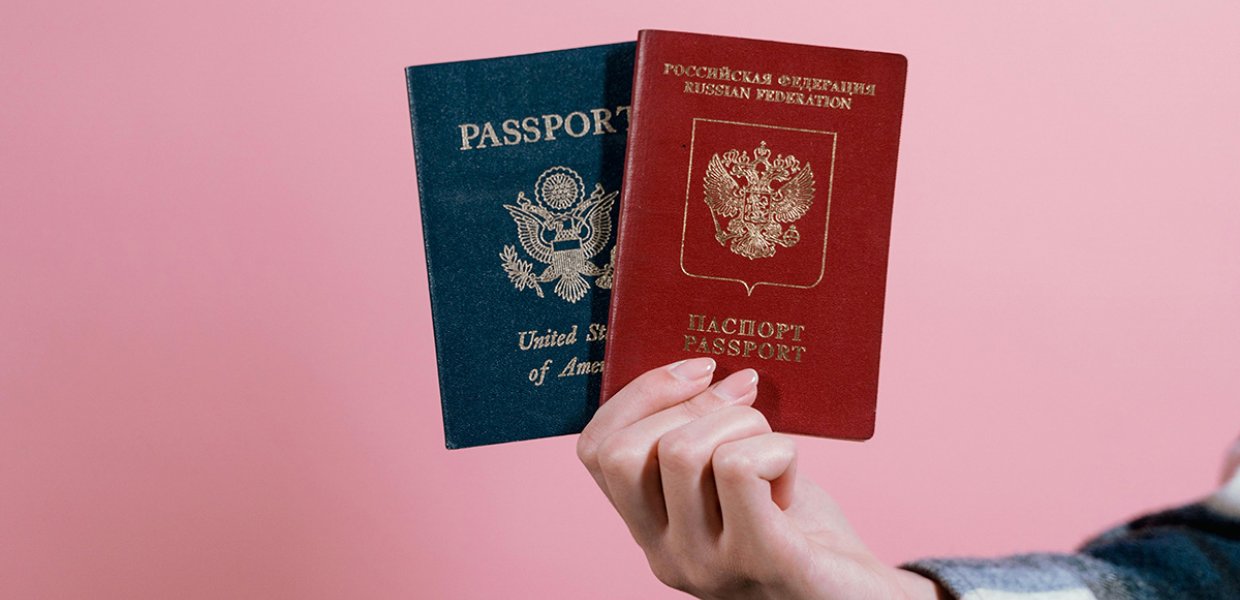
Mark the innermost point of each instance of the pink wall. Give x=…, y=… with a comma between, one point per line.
x=215, y=362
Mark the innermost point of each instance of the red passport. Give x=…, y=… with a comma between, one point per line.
x=755, y=221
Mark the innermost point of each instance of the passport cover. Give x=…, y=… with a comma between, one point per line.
x=519, y=163
x=755, y=221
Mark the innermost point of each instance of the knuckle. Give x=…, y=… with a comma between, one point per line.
x=620, y=455
x=731, y=463
x=751, y=416
x=680, y=451
x=668, y=572
x=784, y=444
x=696, y=407
x=587, y=451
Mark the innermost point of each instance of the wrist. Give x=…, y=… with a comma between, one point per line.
x=913, y=586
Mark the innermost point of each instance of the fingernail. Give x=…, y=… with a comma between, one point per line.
x=693, y=368
x=737, y=385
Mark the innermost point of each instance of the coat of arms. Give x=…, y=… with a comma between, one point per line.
x=564, y=230
x=776, y=191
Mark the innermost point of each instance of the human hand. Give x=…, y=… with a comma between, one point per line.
x=711, y=494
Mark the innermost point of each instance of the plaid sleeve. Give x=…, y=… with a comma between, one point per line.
x=1187, y=552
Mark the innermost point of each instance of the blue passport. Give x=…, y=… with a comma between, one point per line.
x=519, y=162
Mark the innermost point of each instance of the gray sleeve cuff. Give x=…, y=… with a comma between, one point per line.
x=1027, y=577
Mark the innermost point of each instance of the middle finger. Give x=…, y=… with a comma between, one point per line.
x=629, y=462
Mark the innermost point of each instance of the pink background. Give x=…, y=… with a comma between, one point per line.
x=215, y=361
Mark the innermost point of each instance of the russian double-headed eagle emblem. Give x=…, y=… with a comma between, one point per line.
x=562, y=229
x=776, y=191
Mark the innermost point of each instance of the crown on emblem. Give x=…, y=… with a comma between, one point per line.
x=762, y=170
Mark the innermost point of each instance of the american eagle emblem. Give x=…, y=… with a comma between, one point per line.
x=775, y=191
x=564, y=230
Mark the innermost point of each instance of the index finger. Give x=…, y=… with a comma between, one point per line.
x=650, y=393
